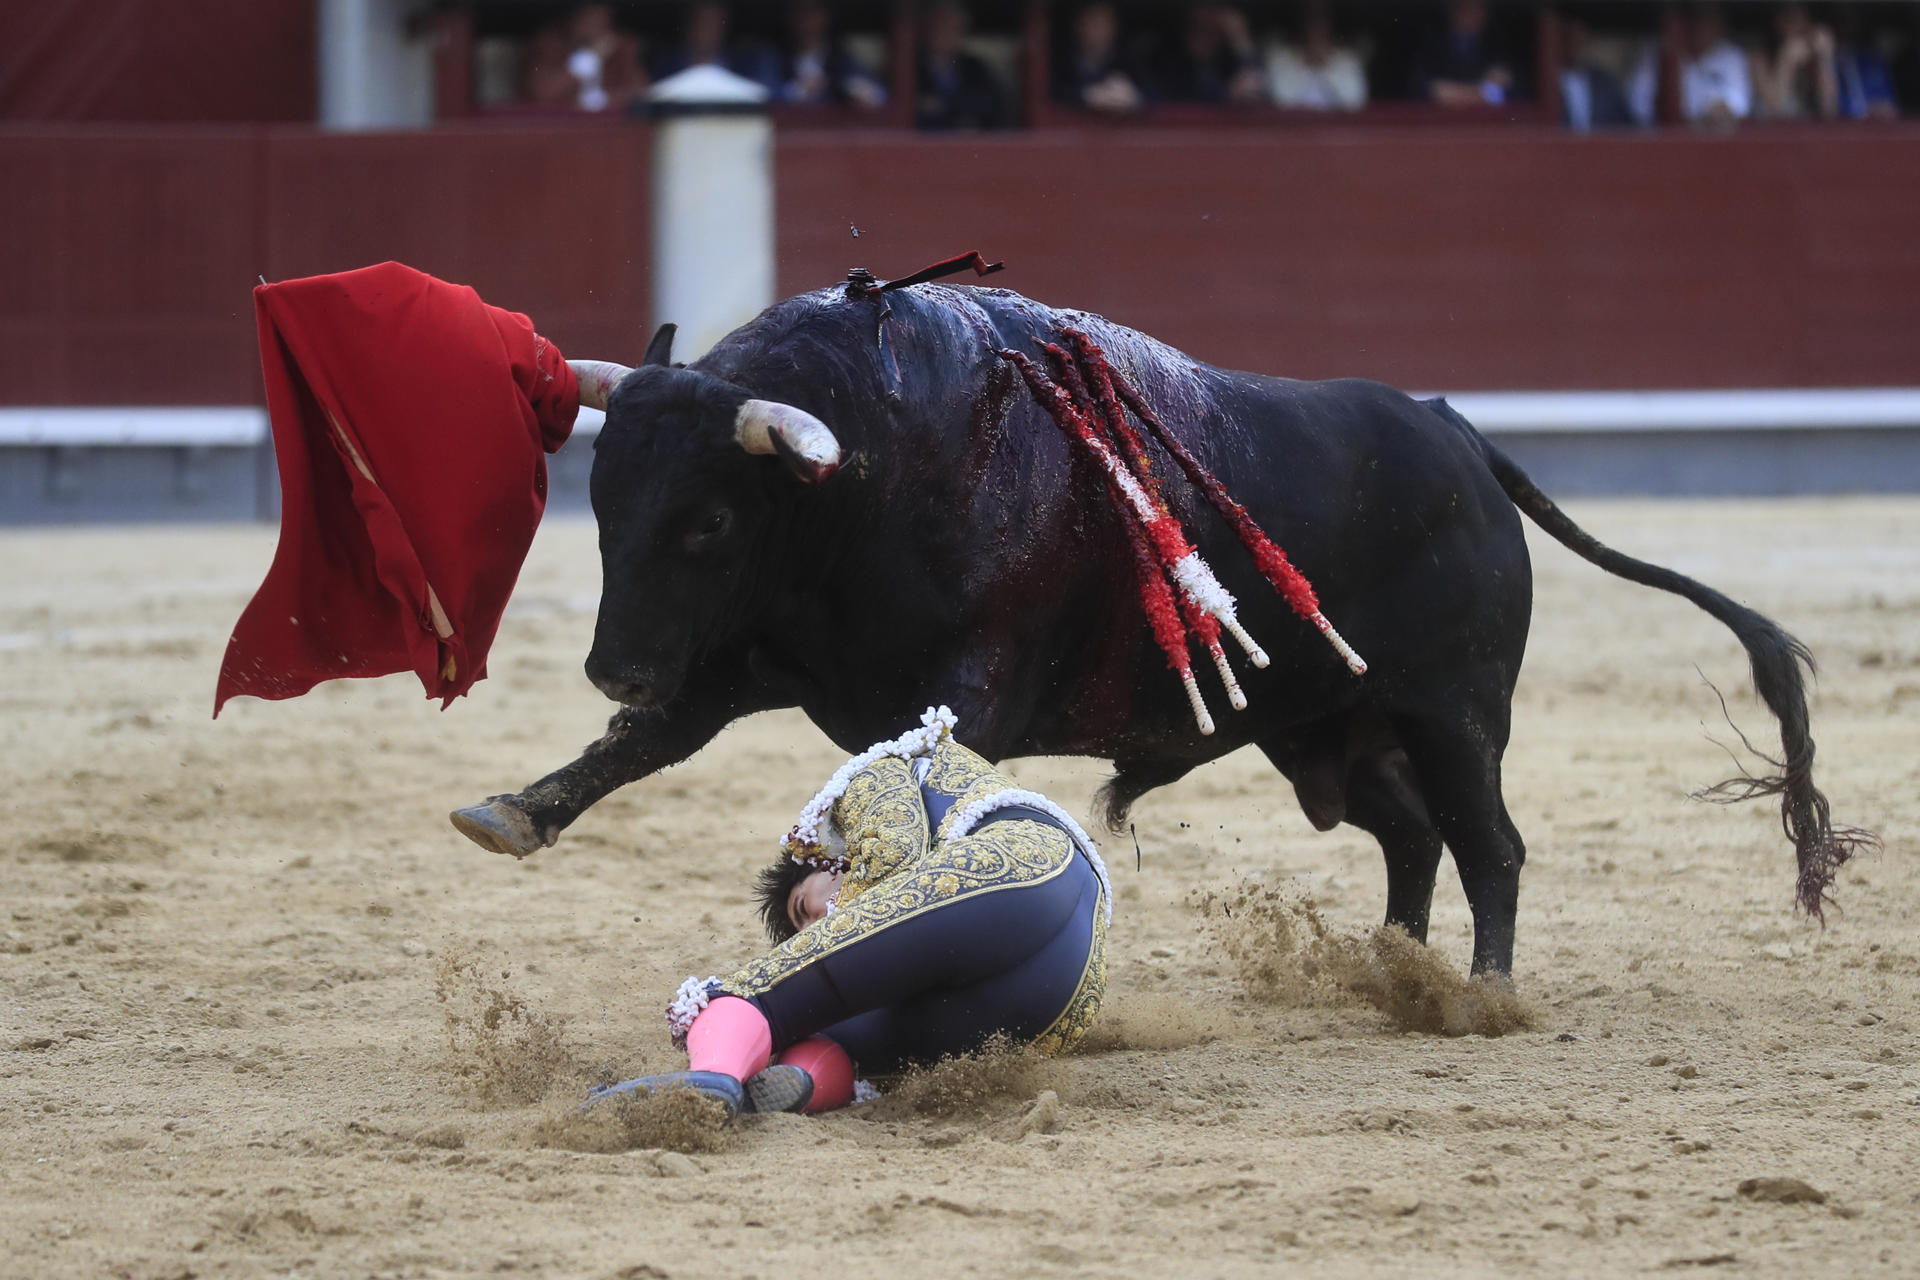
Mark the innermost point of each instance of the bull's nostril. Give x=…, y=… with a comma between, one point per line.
x=627, y=692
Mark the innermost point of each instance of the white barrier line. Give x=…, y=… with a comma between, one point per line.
x=1491, y=411
x=588, y=424
x=1633, y=411
x=1743, y=410
x=211, y=426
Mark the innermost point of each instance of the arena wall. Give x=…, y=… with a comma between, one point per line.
x=1487, y=258
x=145, y=244
x=183, y=61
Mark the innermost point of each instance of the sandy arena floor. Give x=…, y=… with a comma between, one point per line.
x=223, y=1053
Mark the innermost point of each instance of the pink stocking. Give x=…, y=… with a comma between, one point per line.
x=730, y=1036
x=830, y=1067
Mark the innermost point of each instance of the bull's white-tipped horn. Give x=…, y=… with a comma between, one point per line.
x=807, y=444
x=597, y=378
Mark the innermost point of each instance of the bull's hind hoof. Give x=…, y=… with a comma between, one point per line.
x=499, y=825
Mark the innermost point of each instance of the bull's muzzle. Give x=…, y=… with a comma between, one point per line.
x=628, y=688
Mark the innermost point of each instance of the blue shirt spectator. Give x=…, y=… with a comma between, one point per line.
x=1863, y=77
x=1591, y=97
x=705, y=43
x=1091, y=70
x=954, y=89
x=1215, y=61
x=1467, y=62
x=817, y=68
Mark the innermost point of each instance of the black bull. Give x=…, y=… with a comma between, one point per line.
x=967, y=555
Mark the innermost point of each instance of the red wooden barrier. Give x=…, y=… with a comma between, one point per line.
x=1432, y=258
x=154, y=61
x=131, y=254
x=1481, y=258
x=127, y=263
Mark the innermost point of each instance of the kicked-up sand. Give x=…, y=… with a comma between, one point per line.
x=265, y=1013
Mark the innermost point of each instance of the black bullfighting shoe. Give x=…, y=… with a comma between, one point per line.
x=781, y=1087
x=723, y=1088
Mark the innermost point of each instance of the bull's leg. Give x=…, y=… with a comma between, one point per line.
x=1384, y=800
x=1456, y=758
x=638, y=742
x=1375, y=791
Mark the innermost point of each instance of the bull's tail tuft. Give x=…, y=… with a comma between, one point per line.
x=1779, y=664
x=1820, y=848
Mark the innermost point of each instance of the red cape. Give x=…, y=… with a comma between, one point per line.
x=410, y=423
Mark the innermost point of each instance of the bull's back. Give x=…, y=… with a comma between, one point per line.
x=1388, y=507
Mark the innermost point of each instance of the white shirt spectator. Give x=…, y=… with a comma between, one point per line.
x=1339, y=83
x=1720, y=75
x=585, y=67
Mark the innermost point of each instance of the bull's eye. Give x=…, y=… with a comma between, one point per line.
x=710, y=530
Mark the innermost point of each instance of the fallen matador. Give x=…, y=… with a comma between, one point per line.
x=923, y=905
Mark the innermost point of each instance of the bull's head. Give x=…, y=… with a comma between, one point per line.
x=681, y=476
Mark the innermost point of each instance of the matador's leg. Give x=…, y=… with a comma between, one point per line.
x=947, y=979
x=1022, y=958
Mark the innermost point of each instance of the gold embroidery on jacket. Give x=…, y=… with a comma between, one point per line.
x=1078, y=1017
x=885, y=825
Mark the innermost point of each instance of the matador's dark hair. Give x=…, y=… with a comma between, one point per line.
x=774, y=887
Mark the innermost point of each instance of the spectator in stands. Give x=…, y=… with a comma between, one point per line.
x=544, y=78
x=1591, y=96
x=1316, y=74
x=1796, y=78
x=1092, y=70
x=704, y=43
x=1904, y=70
x=953, y=88
x=1466, y=62
x=1863, y=82
x=1716, y=88
x=818, y=68
x=1215, y=60
x=604, y=61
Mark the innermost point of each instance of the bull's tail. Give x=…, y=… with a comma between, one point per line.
x=1777, y=661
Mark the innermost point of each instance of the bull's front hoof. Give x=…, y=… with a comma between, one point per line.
x=500, y=825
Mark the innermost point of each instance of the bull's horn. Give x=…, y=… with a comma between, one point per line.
x=597, y=378
x=806, y=443
x=660, y=350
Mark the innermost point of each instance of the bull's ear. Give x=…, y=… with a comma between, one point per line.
x=806, y=444
x=660, y=350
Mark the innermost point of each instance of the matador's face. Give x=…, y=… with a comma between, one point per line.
x=810, y=898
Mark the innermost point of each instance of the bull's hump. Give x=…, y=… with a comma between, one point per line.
x=1179, y=386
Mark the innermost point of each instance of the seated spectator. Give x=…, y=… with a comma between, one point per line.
x=1591, y=97
x=1715, y=86
x=705, y=43
x=1796, y=80
x=1904, y=69
x=1215, y=60
x=1863, y=82
x=1091, y=71
x=817, y=68
x=954, y=89
x=604, y=62
x=545, y=80
x=1316, y=74
x=1467, y=62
